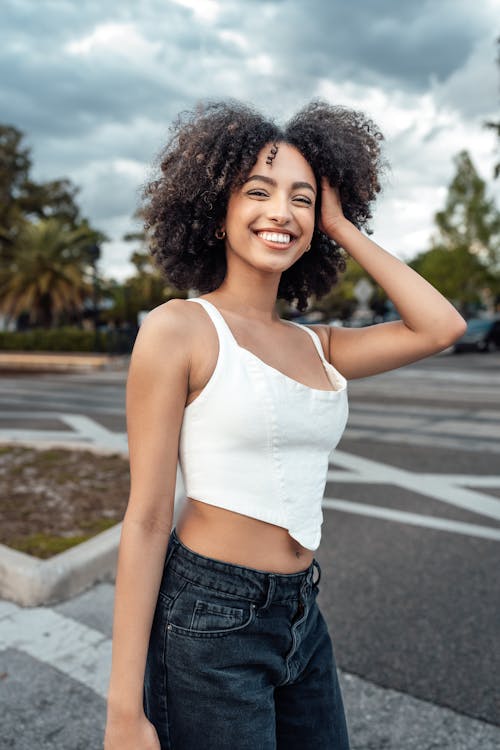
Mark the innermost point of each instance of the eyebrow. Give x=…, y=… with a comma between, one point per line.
x=272, y=182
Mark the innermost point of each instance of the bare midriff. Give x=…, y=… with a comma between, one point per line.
x=232, y=537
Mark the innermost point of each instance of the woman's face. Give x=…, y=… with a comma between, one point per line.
x=270, y=218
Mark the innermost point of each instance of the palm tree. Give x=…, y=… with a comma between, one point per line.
x=47, y=272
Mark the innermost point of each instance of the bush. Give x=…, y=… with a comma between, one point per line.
x=65, y=339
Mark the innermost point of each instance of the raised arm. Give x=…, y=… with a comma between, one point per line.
x=157, y=387
x=429, y=323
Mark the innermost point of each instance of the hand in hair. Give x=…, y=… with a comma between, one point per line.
x=332, y=214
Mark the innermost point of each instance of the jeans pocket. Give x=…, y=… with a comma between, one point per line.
x=210, y=616
x=200, y=612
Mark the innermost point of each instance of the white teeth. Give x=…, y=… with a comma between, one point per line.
x=275, y=237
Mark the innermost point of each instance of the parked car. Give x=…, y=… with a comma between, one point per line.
x=481, y=335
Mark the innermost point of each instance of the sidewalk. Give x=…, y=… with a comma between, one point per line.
x=55, y=661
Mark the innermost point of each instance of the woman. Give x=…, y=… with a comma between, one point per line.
x=218, y=641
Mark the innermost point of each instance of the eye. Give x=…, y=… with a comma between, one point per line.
x=257, y=193
x=303, y=199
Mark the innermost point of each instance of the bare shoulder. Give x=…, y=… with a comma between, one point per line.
x=168, y=323
x=163, y=341
x=172, y=314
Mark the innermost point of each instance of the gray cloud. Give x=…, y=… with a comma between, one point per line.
x=408, y=42
x=95, y=86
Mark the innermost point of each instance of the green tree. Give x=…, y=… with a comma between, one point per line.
x=147, y=288
x=470, y=219
x=496, y=125
x=341, y=301
x=464, y=258
x=22, y=199
x=14, y=168
x=144, y=290
x=457, y=273
x=48, y=273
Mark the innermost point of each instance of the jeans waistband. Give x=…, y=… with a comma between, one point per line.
x=256, y=585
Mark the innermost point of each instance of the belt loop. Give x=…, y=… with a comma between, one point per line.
x=307, y=582
x=270, y=591
x=171, y=547
x=316, y=565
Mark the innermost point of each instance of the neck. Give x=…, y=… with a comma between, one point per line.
x=250, y=293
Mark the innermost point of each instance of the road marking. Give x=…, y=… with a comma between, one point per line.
x=392, y=437
x=471, y=479
x=367, y=471
x=95, y=431
x=65, y=644
x=447, y=428
x=415, y=519
x=83, y=429
x=429, y=412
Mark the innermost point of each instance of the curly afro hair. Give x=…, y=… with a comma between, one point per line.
x=212, y=150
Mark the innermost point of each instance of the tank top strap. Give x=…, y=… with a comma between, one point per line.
x=222, y=328
x=315, y=338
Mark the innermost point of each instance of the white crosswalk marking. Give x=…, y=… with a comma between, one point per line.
x=415, y=519
x=443, y=487
x=83, y=430
x=65, y=644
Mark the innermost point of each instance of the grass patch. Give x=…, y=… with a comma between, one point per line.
x=45, y=545
x=53, y=499
x=95, y=527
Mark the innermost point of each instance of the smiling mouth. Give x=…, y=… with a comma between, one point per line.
x=277, y=238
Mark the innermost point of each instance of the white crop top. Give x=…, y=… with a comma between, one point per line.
x=257, y=442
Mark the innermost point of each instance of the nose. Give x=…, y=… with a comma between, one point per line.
x=279, y=210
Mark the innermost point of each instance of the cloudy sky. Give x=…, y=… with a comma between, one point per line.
x=95, y=85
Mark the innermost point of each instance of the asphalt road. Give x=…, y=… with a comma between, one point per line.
x=410, y=557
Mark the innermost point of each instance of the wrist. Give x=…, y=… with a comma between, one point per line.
x=339, y=229
x=123, y=710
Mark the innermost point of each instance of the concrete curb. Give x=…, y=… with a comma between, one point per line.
x=20, y=361
x=31, y=582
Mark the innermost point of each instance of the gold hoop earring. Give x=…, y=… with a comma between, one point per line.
x=308, y=247
x=220, y=233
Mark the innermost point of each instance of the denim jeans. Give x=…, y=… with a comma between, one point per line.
x=240, y=659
